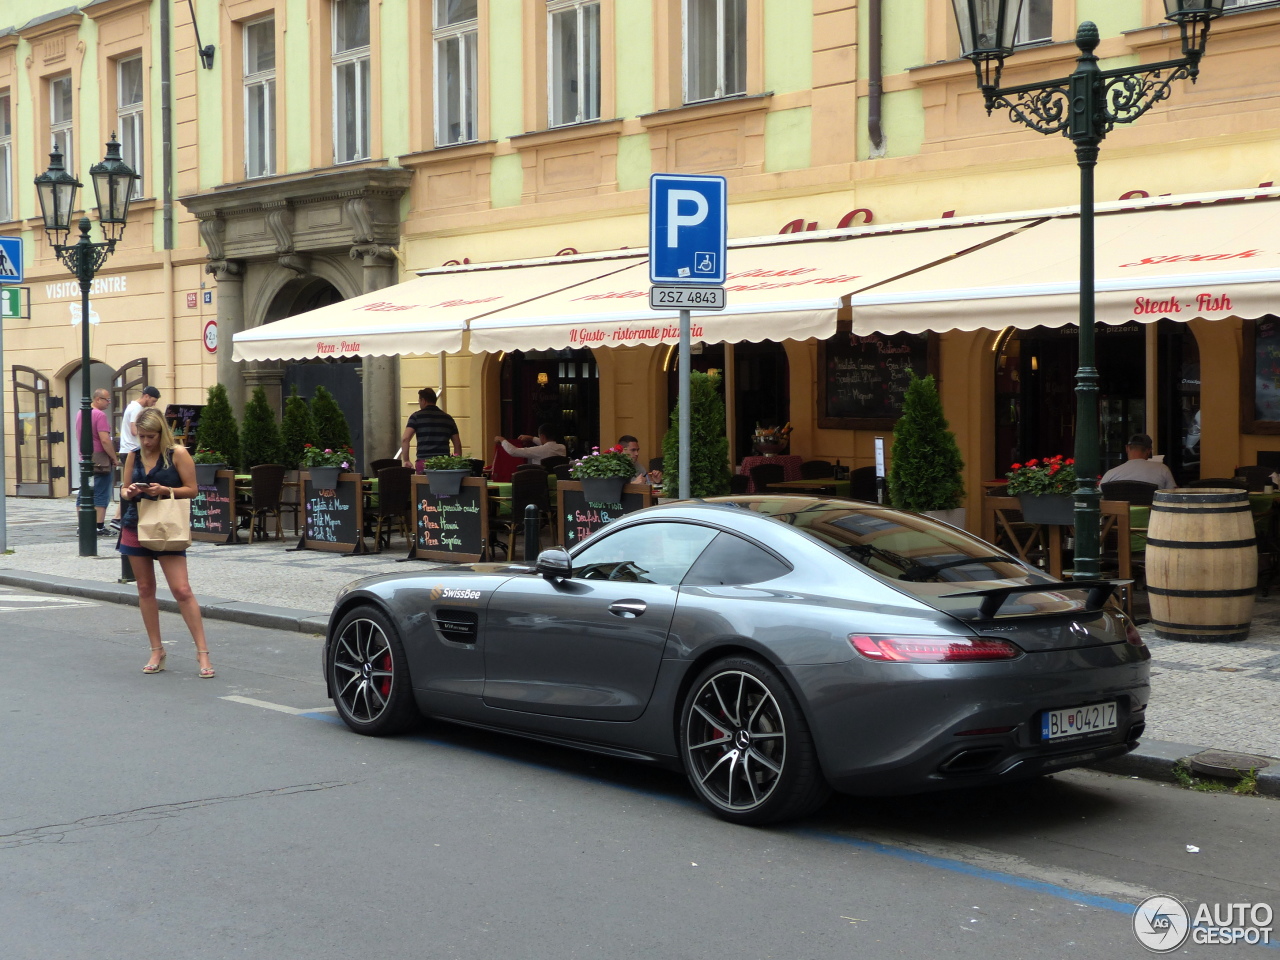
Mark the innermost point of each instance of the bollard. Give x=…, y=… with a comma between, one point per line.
x=530, y=531
x=126, y=570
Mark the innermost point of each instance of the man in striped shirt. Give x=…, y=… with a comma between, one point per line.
x=434, y=428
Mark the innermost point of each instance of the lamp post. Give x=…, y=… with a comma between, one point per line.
x=1084, y=108
x=113, y=182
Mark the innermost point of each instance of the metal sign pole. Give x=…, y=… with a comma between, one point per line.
x=684, y=404
x=4, y=479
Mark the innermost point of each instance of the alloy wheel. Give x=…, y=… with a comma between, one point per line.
x=363, y=670
x=735, y=741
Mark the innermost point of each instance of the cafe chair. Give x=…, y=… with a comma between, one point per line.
x=817, y=470
x=1269, y=459
x=1256, y=478
x=563, y=471
x=766, y=473
x=383, y=464
x=395, y=503
x=266, y=483
x=550, y=463
x=528, y=486
x=1131, y=491
x=1227, y=483
x=291, y=498
x=477, y=468
x=738, y=484
x=862, y=484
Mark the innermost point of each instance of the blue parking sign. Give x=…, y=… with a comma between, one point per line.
x=688, y=229
x=11, y=260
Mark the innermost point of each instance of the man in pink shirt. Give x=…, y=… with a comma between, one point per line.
x=102, y=444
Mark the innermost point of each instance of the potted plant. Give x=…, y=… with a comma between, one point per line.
x=326, y=464
x=331, y=423
x=297, y=429
x=259, y=434
x=218, y=430
x=708, y=443
x=1044, y=489
x=926, y=475
x=208, y=463
x=445, y=474
x=603, y=474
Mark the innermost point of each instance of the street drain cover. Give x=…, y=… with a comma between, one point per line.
x=1220, y=763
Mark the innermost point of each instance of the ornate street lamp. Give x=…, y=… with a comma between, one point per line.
x=1084, y=108
x=113, y=181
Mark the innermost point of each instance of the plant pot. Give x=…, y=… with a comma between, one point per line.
x=446, y=483
x=325, y=478
x=770, y=448
x=1056, y=508
x=955, y=516
x=207, y=473
x=603, y=489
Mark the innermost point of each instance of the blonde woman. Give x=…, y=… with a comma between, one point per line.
x=157, y=467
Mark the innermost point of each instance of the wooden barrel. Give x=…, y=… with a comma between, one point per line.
x=1202, y=564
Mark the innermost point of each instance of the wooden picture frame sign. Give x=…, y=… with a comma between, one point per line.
x=862, y=380
x=333, y=519
x=213, y=510
x=450, y=528
x=577, y=519
x=1260, y=376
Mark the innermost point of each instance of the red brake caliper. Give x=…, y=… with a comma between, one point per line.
x=384, y=687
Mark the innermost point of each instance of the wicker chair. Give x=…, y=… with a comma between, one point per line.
x=766, y=473
x=1256, y=478
x=528, y=486
x=1227, y=483
x=862, y=484
x=265, y=487
x=817, y=470
x=382, y=464
x=395, y=502
x=1131, y=491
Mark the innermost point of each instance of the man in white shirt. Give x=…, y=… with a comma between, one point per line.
x=549, y=445
x=1140, y=466
x=128, y=436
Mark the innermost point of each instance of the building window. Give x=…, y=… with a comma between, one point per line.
x=715, y=49
x=457, y=79
x=60, y=117
x=6, y=158
x=129, y=115
x=573, y=40
x=350, y=80
x=1035, y=22
x=1244, y=3
x=260, y=98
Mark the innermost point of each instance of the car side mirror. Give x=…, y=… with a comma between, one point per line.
x=555, y=564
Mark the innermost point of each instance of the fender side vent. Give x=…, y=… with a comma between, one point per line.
x=460, y=626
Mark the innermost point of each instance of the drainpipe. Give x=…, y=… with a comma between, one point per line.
x=166, y=196
x=875, y=77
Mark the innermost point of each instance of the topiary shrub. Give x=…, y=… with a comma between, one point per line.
x=927, y=467
x=218, y=430
x=259, y=435
x=332, y=431
x=297, y=430
x=708, y=445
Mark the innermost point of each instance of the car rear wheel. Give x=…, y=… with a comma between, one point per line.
x=746, y=747
x=369, y=675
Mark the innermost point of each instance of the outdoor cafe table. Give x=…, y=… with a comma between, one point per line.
x=500, y=493
x=824, y=485
x=790, y=467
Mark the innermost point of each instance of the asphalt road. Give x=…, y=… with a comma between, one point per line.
x=172, y=817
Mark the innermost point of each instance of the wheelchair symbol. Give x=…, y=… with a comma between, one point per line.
x=704, y=263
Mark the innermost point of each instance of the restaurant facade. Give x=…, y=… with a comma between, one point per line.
x=884, y=223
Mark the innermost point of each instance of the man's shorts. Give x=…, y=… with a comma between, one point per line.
x=101, y=489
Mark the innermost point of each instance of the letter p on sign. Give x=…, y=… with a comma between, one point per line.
x=688, y=229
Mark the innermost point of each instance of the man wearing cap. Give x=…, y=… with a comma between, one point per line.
x=1140, y=466
x=128, y=436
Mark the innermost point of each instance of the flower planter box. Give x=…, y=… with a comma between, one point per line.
x=325, y=478
x=207, y=473
x=603, y=489
x=445, y=483
x=1047, y=508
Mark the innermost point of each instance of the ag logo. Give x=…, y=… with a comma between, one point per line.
x=437, y=591
x=1161, y=924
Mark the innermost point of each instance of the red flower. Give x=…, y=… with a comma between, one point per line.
x=1070, y=461
x=1032, y=463
x=1054, y=469
x=1016, y=466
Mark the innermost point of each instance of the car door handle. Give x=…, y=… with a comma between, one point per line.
x=628, y=608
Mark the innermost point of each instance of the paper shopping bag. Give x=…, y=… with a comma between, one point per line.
x=164, y=525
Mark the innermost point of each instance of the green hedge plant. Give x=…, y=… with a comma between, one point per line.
x=218, y=430
x=708, y=447
x=927, y=467
x=259, y=435
x=297, y=430
x=331, y=424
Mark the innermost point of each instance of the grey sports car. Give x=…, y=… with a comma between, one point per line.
x=774, y=648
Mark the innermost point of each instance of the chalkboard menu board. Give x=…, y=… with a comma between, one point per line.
x=1260, y=384
x=213, y=510
x=579, y=518
x=862, y=379
x=334, y=516
x=450, y=528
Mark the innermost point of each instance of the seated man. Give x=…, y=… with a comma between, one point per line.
x=1140, y=466
x=631, y=447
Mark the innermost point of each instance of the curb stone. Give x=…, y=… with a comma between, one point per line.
x=1155, y=760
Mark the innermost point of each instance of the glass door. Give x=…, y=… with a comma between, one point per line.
x=32, y=440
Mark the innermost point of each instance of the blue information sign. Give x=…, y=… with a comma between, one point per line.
x=11, y=260
x=688, y=229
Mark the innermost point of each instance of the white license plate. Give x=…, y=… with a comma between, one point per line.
x=1077, y=721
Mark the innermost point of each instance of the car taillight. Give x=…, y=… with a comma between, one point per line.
x=933, y=649
x=1132, y=635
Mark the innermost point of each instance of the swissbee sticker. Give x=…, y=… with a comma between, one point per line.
x=441, y=592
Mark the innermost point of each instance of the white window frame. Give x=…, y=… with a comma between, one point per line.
x=6, y=156
x=581, y=115
x=357, y=61
x=62, y=132
x=721, y=45
x=131, y=121
x=465, y=34
x=1023, y=32
x=264, y=81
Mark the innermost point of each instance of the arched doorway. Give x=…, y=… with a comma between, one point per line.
x=1179, y=398
x=551, y=386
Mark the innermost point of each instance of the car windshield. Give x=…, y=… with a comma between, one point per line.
x=893, y=544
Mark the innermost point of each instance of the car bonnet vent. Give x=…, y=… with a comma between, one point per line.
x=460, y=626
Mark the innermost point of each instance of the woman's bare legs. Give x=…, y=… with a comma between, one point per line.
x=144, y=573
x=175, y=574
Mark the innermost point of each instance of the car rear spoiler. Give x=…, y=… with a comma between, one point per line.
x=994, y=598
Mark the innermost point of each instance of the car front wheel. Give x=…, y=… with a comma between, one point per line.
x=746, y=747
x=369, y=675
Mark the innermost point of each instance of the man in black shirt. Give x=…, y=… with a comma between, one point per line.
x=434, y=429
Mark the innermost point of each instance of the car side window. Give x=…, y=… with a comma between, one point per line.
x=730, y=560
x=660, y=553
